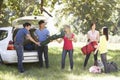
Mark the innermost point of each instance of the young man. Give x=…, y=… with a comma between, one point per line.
x=19, y=39
x=42, y=34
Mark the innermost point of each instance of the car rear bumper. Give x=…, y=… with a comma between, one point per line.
x=11, y=57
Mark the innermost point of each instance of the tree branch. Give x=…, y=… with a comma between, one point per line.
x=1, y=2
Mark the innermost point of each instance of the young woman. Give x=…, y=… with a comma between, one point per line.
x=92, y=35
x=68, y=46
x=103, y=47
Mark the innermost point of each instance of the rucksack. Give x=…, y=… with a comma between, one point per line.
x=100, y=64
x=29, y=47
x=95, y=69
x=112, y=67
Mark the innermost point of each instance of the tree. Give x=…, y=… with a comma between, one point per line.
x=3, y=19
x=1, y=2
x=18, y=8
x=77, y=13
x=86, y=11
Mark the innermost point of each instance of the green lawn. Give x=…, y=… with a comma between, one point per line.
x=33, y=72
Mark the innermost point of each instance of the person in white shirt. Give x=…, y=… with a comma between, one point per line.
x=92, y=35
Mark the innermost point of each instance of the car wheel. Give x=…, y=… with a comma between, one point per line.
x=1, y=61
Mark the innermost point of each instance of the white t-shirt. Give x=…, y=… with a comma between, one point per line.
x=93, y=36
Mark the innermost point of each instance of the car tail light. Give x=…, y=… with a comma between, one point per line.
x=11, y=46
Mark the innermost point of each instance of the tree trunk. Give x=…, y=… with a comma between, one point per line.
x=1, y=2
x=41, y=6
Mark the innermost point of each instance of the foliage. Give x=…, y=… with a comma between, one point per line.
x=86, y=11
x=77, y=13
x=3, y=19
x=19, y=8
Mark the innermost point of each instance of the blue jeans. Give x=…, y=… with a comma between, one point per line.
x=64, y=57
x=19, y=50
x=41, y=50
x=104, y=61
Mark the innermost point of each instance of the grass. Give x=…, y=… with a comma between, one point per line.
x=33, y=72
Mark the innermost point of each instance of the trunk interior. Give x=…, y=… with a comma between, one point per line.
x=28, y=45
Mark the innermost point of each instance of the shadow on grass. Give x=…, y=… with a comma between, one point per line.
x=33, y=72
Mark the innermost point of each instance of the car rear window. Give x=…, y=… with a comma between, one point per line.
x=3, y=34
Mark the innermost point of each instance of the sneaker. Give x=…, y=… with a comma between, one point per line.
x=41, y=66
x=47, y=67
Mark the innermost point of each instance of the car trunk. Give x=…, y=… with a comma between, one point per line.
x=28, y=45
x=30, y=48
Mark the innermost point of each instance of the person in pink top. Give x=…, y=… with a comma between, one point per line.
x=92, y=35
x=68, y=46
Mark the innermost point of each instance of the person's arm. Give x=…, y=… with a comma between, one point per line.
x=59, y=40
x=74, y=39
x=31, y=39
x=35, y=36
x=88, y=37
x=100, y=45
x=48, y=33
x=27, y=33
x=98, y=37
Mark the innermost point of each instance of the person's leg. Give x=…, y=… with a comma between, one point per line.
x=40, y=51
x=46, y=56
x=63, y=58
x=95, y=59
x=71, y=58
x=104, y=60
x=86, y=60
x=19, y=50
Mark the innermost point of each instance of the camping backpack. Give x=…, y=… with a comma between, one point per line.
x=95, y=69
x=112, y=67
x=100, y=64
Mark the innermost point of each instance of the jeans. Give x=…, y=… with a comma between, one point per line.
x=19, y=50
x=41, y=50
x=64, y=57
x=104, y=61
x=87, y=58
